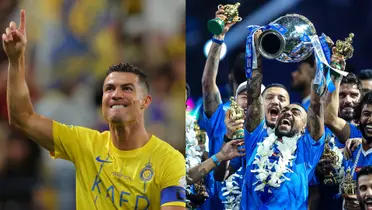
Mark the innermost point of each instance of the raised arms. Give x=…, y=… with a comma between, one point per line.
x=229, y=151
x=315, y=115
x=211, y=94
x=21, y=112
x=331, y=119
x=255, y=112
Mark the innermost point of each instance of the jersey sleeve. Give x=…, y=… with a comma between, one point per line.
x=215, y=128
x=311, y=151
x=236, y=163
x=251, y=139
x=354, y=131
x=69, y=141
x=173, y=181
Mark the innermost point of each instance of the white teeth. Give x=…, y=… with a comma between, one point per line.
x=369, y=126
x=117, y=106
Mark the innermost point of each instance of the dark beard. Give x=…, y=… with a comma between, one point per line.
x=270, y=125
x=361, y=203
x=291, y=133
x=347, y=117
x=362, y=129
x=298, y=88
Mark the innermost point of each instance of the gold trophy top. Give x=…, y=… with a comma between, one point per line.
x=344, y=48
x=328, y=154
x=236, y=112
x=231, y=12
x=201, y=135
x=349, y=185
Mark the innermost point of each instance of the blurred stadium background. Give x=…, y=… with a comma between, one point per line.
x=71, y=44
x=335, y=18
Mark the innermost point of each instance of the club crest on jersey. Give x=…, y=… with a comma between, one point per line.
x=147, y=173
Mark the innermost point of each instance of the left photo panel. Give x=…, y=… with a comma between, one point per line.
x=92, y=105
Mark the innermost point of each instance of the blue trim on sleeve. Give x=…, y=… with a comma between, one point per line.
x=173, y=194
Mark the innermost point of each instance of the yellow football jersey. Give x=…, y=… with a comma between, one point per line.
x=108, y=178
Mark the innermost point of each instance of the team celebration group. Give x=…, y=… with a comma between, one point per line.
x=260, y=150
x=257, y=151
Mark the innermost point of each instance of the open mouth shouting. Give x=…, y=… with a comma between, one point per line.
x=273, y=113
x=368, y=203
x=285, y=123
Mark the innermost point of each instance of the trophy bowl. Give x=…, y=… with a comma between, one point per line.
x=289, y=44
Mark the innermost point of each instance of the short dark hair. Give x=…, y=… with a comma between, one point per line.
x=310, y=60
x=238, y=69
x=365, y=74
x=126, y=67
x=366, y=99
x=298, y=104
x=352, y=79
x=365, y=171
x=275, y=85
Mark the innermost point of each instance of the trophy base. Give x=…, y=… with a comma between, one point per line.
x=329, y=180
x=215, y=26
x=239, y=134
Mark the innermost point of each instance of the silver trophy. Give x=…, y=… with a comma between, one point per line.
x=290, y=45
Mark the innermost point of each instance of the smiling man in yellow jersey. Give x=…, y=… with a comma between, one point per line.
x=124, y=168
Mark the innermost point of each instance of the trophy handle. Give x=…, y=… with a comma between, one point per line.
x=237, y=19
x=337, y=159
x=220, y=6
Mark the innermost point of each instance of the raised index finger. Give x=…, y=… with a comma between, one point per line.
x=22, y=25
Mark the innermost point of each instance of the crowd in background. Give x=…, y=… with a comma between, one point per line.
x=71, y=44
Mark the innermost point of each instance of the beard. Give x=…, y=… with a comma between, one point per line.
x=362, y=202
x=292, y=132
x=270, y=125
x=297, y=87
x=347, y=113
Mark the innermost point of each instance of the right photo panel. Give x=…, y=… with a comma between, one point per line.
x=279, y=105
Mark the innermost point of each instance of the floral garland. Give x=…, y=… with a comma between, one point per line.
x=338, y=166
x=231, y=190
x=273, y=173
x=193, y=151
x=196, y=192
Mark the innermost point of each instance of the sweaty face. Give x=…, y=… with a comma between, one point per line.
x=291, y=121
x=302, y=76
x=275, y=98
x=364, y=193
x=366, y=122
x=124, y=99
x=349, y=97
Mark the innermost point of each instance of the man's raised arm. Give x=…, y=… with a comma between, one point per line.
x=21, y=112
x=211, y=93
x=335, y=123
x=315, y=115
x=255, y=112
